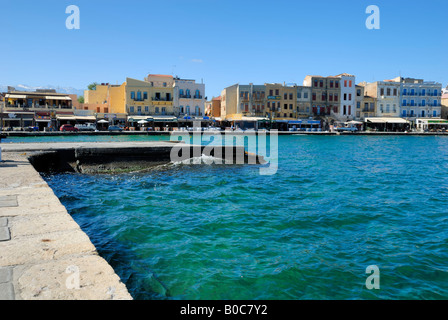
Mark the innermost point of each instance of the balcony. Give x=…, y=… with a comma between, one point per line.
x=184, y=96
x=197, y=97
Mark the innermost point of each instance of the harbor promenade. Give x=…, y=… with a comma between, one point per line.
x=44, y=255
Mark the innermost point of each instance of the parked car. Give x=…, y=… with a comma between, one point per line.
x=86, y=127
x=68, y=127
x=115, y=128
x=31, y=129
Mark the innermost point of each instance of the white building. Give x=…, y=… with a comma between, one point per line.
x=347, y=110
x=387, y=95
x=419, y=98
x=189, y=98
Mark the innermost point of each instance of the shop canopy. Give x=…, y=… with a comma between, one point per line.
x=57, y=98
x=387, y=120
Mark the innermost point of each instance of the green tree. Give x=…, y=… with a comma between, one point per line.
x=92, y=86
x=81, y=99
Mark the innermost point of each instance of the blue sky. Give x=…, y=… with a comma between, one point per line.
x=221, y=42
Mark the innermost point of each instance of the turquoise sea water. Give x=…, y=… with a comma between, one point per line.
x=337, y=205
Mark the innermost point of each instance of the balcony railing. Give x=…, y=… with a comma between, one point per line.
x=161, y=99
x=197, y=97
x=185, y=96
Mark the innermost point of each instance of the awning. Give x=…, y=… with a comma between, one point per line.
x=63, y=117
x=163, y=119
x=15, y=96
x=42, y=120
x=85, y=118
x=253, y=119
x=386, y=120
x=138, y=118
x=57, y=98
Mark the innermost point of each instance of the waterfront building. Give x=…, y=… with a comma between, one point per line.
x=347, y=97
x=243, y=101
x=41, y=108
x=189, y=98
x=105, y=98
x=213, y=108
x=387, y=96
x=444, y=103
x=365, y=105
x=303, y=101
x=325, y=95
x=419, y=98
x=281, y=101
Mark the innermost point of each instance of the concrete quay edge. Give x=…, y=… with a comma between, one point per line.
x=48, y=256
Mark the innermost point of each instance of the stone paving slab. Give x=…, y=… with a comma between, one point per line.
x=5, y=275
x=7, y=291
x=3, y=222
x=5, y=235
x=8, y=201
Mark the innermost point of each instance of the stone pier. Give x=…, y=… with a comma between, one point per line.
x=44, y=255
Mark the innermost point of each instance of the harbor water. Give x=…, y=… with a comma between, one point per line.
x=337, y=205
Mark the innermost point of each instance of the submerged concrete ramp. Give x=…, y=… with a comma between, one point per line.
x=44, y=254
x=104, y=157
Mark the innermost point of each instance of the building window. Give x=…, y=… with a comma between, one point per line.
x=299, y=95
x=388, y=91
x=145, y=95
x=345, y=83
x=435, y=103
x=285, y=106
x=336, y=84
x=139, y=96
x=188, y=110
x=330, y=98
x=285, y=96
x=131, y=109
x=163, y=110
x=305, y=95
x=382, y=92
x=196, y=109
x=157, y=110
x=336, y=97
x=139, y=109
x=271, y=92
x=181, y=109
x=164, y=84
x=331, y=83
x=315, y=83
x=132, y=95
x=350, y=83
x=404, y=113
x=277, y=92
x=434, y=113
x=290, y=96
x=423, y=103
x=345, y=96
x=290, y=107
x=314, y=97
x=146, y=109
x=395, y=92
x=321, y=83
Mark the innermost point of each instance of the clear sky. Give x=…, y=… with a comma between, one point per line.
x=221, y=42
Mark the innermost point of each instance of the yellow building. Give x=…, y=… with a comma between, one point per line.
x=106, y=99
x=445, y=106
x=281, y=101
x=152, y=97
